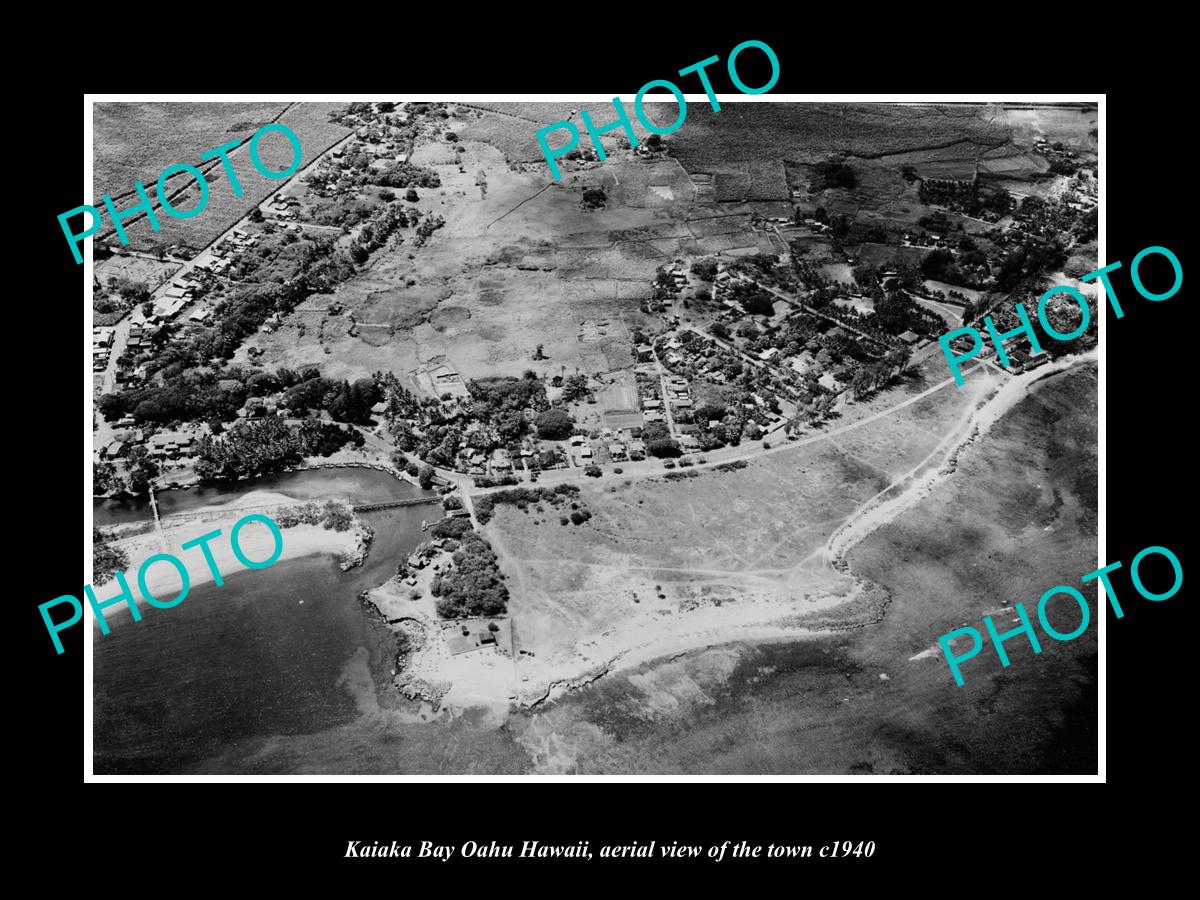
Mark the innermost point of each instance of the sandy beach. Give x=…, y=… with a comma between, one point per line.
x=255, y=540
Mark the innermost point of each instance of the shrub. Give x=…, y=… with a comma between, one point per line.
x=592, y=471
x=106, y=559
x=451, y=528
x=336, y=517
x=475, y=586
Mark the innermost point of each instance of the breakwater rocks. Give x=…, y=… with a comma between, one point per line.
x=557, y=688
x=866, y=608
x=419, y=689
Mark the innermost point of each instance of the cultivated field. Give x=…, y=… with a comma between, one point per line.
x=138, y=140
x=184, y=144
x=810, y=133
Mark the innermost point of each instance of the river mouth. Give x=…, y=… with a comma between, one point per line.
x=268, y=656
x=359, y=484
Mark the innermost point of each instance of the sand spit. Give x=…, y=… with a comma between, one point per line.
x=255, y=540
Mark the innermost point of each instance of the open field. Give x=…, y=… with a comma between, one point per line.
x=1075, y=128
x=488, y=282
x=859, y=702
x=664, y=564
x=150, y=272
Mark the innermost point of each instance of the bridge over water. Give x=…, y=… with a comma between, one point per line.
x=389, y=504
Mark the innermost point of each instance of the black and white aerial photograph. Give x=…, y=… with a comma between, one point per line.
x=644, y=459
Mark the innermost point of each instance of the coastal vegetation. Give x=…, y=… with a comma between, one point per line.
x=522, y=497
x=259, y=448
x=107, y=558
x=475, y=586
x=332, y=516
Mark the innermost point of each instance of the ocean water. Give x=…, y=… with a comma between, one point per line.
x=279, y=670
x=262, y=655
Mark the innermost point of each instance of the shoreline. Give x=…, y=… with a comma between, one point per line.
x=255, y=540
x=400, y=476
x=626, y=647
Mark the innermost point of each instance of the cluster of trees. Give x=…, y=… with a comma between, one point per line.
x=107, y=559
x=345, y=401
x=188, y=390
x=379, y=228
x=1029, y=261
x=554, y=424
x=140, y=471
x=522, y=497
x=659, y=442
x=833, y=174
x=594, y=198
x=896, y=312
x=120, y=295
x=753, y=299
x=937, y=222
x=401, y=175
x=426, y=228
x=192, y=394
x=500, y=402
x=402, y=406
x=575, y=387
x=258, y=448
x=817, y=407
x=332, y=516
x=475, y=586
x=940, y=265
x=875, y=375
x=440, y=445
x=452, y=528
x=973, y=198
